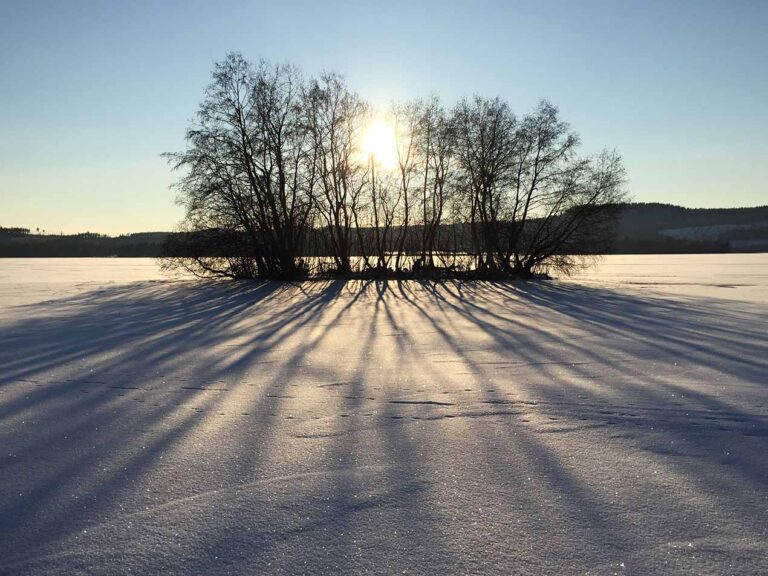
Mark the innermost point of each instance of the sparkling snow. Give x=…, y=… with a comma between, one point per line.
x=614, y=422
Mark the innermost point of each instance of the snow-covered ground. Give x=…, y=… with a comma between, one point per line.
x=612, y=423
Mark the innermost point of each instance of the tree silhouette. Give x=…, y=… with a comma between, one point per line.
x=276, y=185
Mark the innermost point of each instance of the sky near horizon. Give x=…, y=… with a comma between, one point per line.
x=91, y=93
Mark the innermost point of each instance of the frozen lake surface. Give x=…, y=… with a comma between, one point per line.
x=615, y=422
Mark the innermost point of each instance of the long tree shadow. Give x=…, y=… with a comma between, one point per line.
x=578, y=349
x=68, y=377
x=622, y=335
x=150, y=365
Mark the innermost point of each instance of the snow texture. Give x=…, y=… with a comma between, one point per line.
x=614, y=423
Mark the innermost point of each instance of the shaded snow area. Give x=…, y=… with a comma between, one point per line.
x=601, y=425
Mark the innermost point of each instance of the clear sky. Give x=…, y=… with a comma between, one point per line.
x=91, y=93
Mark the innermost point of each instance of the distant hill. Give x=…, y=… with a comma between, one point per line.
x=642, y=229
x=20, y=243
x=651, y=228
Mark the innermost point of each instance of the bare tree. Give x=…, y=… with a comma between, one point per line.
x=335, y=118
x=485, y=148
x=436, y=145
x=555, y=196
x=407, y=119
x=385, y=198
x=578, y=218
x=249, y=165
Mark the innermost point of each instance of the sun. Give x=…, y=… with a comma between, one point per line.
x=380, y=144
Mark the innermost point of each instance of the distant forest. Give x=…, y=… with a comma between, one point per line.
x=642, y=229
x=22, y=243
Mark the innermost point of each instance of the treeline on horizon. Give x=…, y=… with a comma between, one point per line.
x=23, y=243
x=637, y=232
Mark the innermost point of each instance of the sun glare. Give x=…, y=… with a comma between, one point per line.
x=379, y=142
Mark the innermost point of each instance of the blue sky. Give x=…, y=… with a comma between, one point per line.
x=93, y=92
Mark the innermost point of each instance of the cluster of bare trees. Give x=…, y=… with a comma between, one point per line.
x=276, y=183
